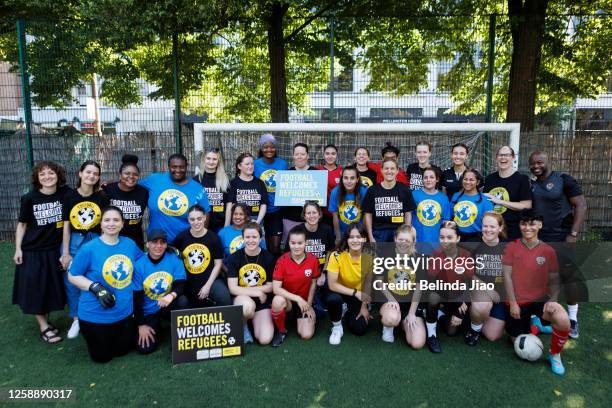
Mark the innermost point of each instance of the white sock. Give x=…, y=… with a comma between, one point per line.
x=476, y=327
x=440, y=313
x=572, y=311
x=387, y=329
x=431, y=329
x=337, y=324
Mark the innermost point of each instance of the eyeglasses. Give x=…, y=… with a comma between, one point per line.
x=505, y=155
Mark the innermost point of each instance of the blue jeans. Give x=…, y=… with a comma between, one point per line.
x=77, y=239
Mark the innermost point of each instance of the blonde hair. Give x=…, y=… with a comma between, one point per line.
x=222, y=181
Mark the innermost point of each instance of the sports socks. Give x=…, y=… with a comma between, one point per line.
x=279, y=320
x=572, y=311
x=431, y=329
x=476, y=327
x=557, y=340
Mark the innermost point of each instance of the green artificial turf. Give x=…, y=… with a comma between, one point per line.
x=360, y=372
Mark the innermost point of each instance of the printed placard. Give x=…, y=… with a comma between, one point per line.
x=295, y=187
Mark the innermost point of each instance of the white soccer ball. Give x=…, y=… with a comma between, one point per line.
x=528, y=347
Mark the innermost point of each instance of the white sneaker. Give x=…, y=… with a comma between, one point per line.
x=387, y=335
x=73, y=332
x=336, y=335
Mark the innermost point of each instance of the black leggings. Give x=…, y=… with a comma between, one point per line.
x=108, y=340
x=154, y=321
x=359, y=326
x=450, y=309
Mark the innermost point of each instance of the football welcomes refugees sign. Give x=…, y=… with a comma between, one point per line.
x=207, y=333
x=295, y=187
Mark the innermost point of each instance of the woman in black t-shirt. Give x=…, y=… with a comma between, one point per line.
x=38, y=287
x=214, y=179
x=202, y=254
x=247, y=189
x=367, y=175
x=451, y=177
x=130, y=197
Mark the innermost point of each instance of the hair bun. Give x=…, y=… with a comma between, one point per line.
x=129, y=159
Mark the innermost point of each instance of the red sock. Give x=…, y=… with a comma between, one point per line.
x=279, y=320
x=534, y=330
x=557, y=340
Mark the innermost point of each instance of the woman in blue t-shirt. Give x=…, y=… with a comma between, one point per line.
x=470, y=205
x=171, y=194
x=103, y=270
x=432, y=207
x=345, y=201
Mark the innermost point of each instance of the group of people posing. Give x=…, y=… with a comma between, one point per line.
x=216, y=241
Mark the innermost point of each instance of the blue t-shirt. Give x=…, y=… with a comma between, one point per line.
x=348, y=213
x=431, y=210
x=156, y=279
x=468, y=212
x=232, y=240
x=113, y=267
x=266, y=172
x=169, y=202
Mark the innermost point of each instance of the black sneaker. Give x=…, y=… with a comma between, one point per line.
x=434, y=344
x=471, y=337
x=278, y=338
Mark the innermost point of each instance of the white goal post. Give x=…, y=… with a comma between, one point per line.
x=513, y=128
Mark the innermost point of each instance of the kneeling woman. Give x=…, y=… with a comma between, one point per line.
x=295, y=280
x=402, y=305
x=248, y=276
x=345, y=284
x=102, y=270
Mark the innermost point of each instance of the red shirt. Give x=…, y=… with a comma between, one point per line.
x=401, y=176
x=333, y=178
x=458, y=269
x=296, y=277
x=530, y=269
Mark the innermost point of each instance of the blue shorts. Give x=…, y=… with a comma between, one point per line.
x=499, y=311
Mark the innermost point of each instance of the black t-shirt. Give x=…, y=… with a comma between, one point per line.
x=451, y=182
x=513, y=188
x=251, y=193
x=216, y=198
x=414, y=172
x=199, y=256
x=84, y=213
x=294, y=213
x=320, y=242
x=132, y=204
x=251, y=271
x=42, y=214
x=368, y=177
x=491, y=270
x=388, y=206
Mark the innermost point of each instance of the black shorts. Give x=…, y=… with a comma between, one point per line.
x=273, y=224
x=405, y=308
x=516, y=327
x=295, y=312
x=262, y=306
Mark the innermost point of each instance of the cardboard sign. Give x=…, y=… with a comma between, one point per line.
x=295, y=187
x=207, y=333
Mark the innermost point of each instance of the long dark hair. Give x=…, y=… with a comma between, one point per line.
x=342, y=190
x=86, y=163
x=479, y=180
x=362, y=231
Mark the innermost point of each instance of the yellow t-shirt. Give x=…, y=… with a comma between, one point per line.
x=348, y=269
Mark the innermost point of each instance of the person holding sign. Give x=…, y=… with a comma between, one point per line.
x=231, y=236
x=203, y=258
x=267, y=166
x=344, y=274
x=387, y=205
x=294, y=283
x=469, y=206
x=248, y=190
x=159, y=280
x=103, y=270
x=215, y=181
x=248, y=276
x=346, y=200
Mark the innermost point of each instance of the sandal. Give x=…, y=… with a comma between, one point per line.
x=52, y=327
x=49, y=336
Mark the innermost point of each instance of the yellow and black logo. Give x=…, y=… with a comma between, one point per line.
x=196, y=258
x=117, y=271
x=251, y=275
x=157, y=285
x=173, y=202
x=85, y=215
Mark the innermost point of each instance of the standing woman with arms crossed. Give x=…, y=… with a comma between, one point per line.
x=469, y=206
x=215, y=181
x=509, y=190
x=171, y=194
x=103, y=270
x=432, y=208
x=387, y=205
x=451, y=177
x=38, y=285
x=346, y=201
x=267, y=166
x=247, y=189
x=130, y=198
x=330, y=163
x=81, y=212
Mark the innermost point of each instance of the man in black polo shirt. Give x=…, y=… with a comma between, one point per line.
x=558, y=198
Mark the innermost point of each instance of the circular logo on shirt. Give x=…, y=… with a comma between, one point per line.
x=117, y=271
x=366, y=181
x=157, y=284
x=85, y=215
x=173, y=202
x=501, y=194
x=401, y=277
x=197, y=258
x=540, y=260
x=236, y=244
x=269, y=179
x=251, y=274
x=349, y=212
x=429, y=212
x=465, y=213
x=549, y=186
